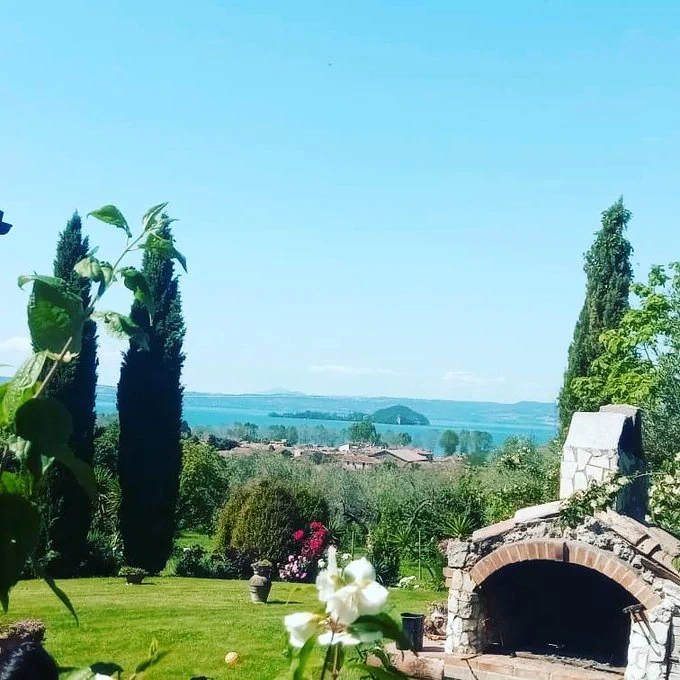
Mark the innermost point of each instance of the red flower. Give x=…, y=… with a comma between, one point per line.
x=298, y=535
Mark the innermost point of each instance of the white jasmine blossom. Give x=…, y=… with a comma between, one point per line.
x=361, y=595
x=338, y=638
x=301, y=626
x=329, y=579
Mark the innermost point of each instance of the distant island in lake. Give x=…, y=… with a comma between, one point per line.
x=391, y=415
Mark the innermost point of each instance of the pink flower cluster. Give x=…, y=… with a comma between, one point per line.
x=302, y=566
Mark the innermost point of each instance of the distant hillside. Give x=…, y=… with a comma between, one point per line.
x=399, y=415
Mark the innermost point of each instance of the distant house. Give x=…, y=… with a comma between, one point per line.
x=403, y=456
x=358, y=462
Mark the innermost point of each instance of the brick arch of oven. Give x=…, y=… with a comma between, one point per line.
x=569, y=552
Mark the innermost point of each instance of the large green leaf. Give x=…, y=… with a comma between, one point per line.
x=55, y=589
x=55, y=315
x=89, y=268
x=123, y=327
x=136, y=282
x=53, y=281
x=19, y=530
x=165, y=248
x=96, y=270
x=150, y=218
x=22, y=386
x=300, y=661
x=380, y=623
x=47, y=425
x=111, y=215
x=83, y=472
x=28, y=456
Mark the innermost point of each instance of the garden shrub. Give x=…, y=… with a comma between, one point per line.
x=203, y=485
x=106, y=446
x=227, y=517
x=195, y=562
x=191, y=562
x=267, y=521
x=383, y=553
x=103, y=557
x=303, y=564
x=312, y=506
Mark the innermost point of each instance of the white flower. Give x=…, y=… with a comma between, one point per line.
x=346, y=556
x=338, y=638
x=321, y=564
x=300, y=626
x=362, y=594
x=328, y=580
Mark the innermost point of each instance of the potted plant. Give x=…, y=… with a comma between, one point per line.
x=260, y=582
x=133, y=575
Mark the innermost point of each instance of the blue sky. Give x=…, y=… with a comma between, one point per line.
x=377, y=198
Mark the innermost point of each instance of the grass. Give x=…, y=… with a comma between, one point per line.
x=199, y=619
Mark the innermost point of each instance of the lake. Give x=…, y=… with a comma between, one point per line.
x=532, y=419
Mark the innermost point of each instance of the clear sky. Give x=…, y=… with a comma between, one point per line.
x=377, y=198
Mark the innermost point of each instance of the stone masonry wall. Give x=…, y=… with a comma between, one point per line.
x=466, y=628
x=600, y=445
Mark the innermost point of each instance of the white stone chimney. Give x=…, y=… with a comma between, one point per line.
x=598, y=446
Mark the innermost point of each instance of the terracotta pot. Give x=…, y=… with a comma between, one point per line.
x=260, y=584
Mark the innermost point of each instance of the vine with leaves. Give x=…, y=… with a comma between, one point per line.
x=35, y=429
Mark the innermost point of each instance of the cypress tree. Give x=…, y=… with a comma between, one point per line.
x=68, y=511
x=609, y=275
x=150, y=415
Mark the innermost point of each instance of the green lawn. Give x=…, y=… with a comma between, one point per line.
x=200, y=619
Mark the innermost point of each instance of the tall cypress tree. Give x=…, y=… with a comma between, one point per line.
x=68, y=511
x=150, y=413
x=609, y=275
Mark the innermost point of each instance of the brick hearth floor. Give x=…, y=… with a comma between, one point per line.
x=499, y=666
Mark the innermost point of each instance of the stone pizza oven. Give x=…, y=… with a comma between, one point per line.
x=531, y=598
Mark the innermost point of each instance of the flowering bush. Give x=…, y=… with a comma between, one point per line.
x=353, y=618
x=302, y=566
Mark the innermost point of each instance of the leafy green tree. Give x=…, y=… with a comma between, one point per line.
x=609, y=275
x=106, y=447
x=449, y=442
x=36, y=430
x=640, y=362
x=67, y=510
x=481, y=441
x=267, y=521
x=203, y=485
x=150, y=413
x=404, y=439
x=363, y=432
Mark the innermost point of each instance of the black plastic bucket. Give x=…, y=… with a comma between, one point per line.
x=414, y=629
